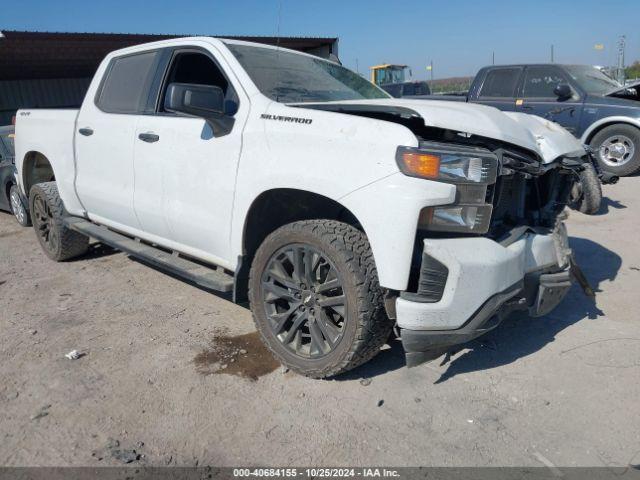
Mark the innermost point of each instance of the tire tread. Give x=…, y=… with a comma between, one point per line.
x=590, y=192
x=72, y=243
x=373, y=325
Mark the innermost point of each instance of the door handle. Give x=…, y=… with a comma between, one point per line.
x=149, y=137
x=87, y=132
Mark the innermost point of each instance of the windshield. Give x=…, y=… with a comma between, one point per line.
x=592, y=80
x=390, y=75
x=292, y=78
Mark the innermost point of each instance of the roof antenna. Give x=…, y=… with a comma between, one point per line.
x=278, y=42
x=278, y=27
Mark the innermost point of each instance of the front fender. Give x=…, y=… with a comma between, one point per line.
x=388, y=211
x=328, y=154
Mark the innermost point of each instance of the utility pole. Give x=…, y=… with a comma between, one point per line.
x=357, y=67
x=621, y=47
x=551, y=53
x=493, y=58
x=431, y=69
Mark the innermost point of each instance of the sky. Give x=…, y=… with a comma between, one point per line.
x=458, y=36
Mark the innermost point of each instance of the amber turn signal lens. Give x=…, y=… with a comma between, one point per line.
x=421, y=164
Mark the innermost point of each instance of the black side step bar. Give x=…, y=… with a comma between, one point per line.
x=207, y=277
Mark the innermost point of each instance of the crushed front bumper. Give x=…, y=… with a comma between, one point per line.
x=483, y=282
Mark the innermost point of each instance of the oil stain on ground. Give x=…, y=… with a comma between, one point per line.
x=9, y=234
x=242, y=355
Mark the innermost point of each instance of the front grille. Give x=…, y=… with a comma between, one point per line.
x=532, y=200
x=509, y=198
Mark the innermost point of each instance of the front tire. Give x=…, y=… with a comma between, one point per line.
x=58, y=242
x=586, y=194
x=17, y=207
x=617, y=149
x=315, y=298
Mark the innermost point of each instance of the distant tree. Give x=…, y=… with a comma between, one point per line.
x=634, y=70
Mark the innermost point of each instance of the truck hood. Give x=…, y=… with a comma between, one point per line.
x=624, y=91
x=548, y=139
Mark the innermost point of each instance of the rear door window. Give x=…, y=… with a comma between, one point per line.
x=126, y=86
x=500, y=83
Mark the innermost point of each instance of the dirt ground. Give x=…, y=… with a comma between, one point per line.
x=173, y=375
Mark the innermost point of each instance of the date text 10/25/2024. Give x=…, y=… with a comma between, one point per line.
x=315, y=472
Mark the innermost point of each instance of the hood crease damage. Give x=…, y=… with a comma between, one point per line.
x=452, y=121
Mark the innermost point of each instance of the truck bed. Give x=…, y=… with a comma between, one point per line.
x=51, y=131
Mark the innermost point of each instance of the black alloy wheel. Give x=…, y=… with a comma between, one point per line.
x=315, y=297
x=44, y=225
x=304, y=300
x=57, y=240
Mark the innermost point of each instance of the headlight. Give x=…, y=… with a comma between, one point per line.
x=470, y=169
x=451, y=164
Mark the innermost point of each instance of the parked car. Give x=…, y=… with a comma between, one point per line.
x=595, y=108
x=11, y=199
x=290, y=181
x=406, y=89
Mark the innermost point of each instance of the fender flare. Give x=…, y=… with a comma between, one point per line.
x=603, y=122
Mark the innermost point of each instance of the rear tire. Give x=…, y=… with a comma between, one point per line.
x=17, y=207
x=58, y=242
x=586, y=195
x=617, y=149
x=312, y=329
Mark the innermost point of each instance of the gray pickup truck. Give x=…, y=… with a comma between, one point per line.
x=595, y=108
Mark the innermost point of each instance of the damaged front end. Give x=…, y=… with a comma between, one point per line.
x=501, y=245
x=628, y=92
x=523, y=192
x=507, y=248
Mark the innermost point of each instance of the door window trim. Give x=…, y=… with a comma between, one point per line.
x=170, y=55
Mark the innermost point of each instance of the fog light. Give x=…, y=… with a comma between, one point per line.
x=456, y=218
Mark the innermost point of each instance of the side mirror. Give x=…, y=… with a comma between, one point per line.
x=562, y=91
x=205, y=101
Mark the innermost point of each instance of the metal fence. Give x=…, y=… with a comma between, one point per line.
x=40, y=93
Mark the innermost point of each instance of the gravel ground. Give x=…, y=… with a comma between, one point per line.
x=173, y=375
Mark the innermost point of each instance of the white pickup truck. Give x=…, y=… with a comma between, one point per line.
x=290, y=181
